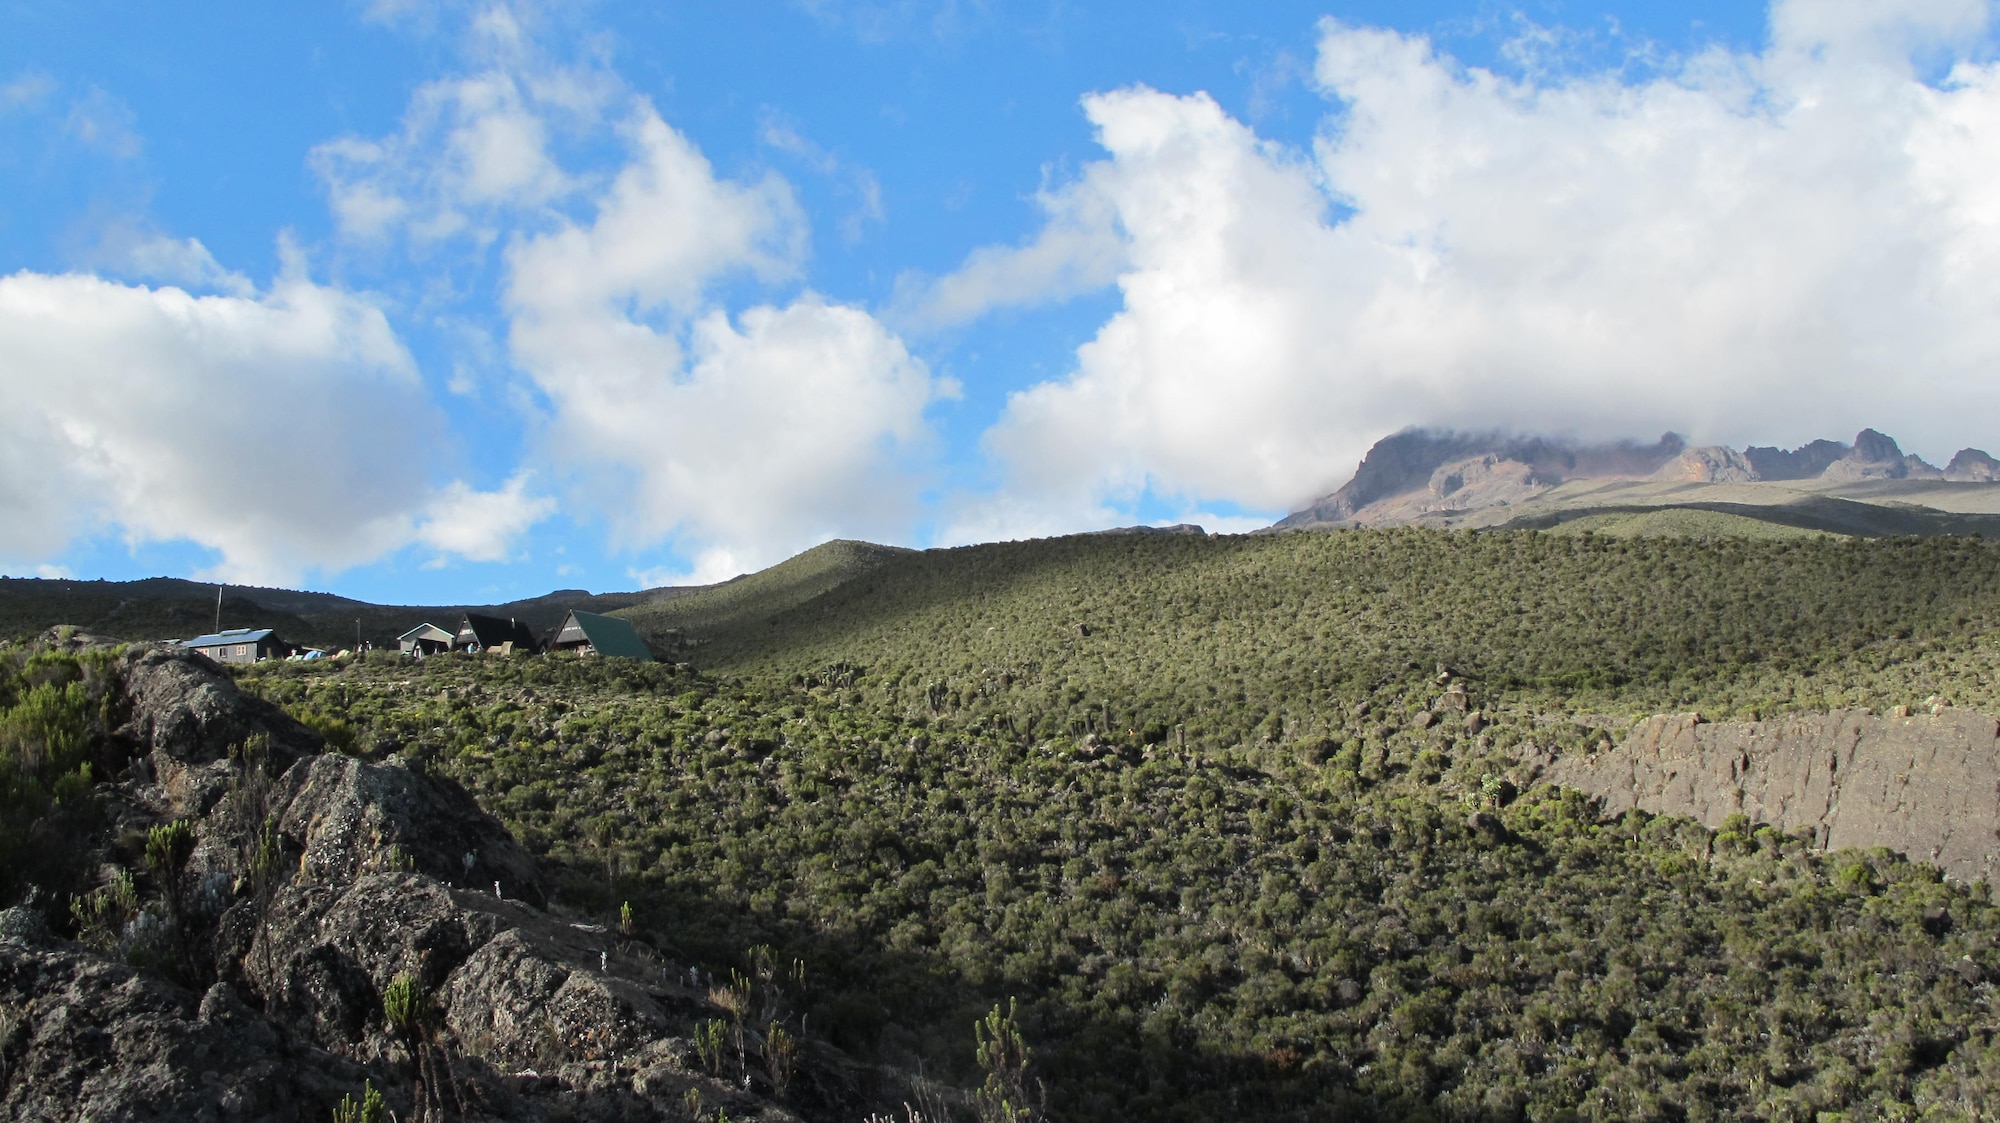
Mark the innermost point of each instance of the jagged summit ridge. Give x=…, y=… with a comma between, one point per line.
x=1420, y=473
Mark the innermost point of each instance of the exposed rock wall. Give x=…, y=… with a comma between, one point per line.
x=85, y=1038
x=1927, y=786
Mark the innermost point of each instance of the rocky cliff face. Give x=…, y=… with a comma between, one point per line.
x=251, y=978
x=1927, y=786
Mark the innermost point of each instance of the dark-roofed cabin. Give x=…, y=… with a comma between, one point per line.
x=493, y=634
x=240, y=645
x=424, y=639
x=587, y=633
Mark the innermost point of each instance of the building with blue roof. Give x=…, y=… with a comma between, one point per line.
x=240, y=645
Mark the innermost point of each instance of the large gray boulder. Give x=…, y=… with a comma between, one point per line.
x=346, y=817
x=183, y=717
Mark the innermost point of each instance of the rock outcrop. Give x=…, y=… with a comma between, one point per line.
x=267, y=995
x=85, y=1038
x=1927, y=786
x=1876, y=456
x=1802, y=463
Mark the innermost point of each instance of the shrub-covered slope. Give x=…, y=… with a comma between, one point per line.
x=1238, y=637
x=1374, y=926
x=1192, y=804
x=676, y=619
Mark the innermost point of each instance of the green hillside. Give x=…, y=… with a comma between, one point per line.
x=1225, y=635
x=1817, y=514
x=1679, y=522
x=679, y=621
x=1177, y=797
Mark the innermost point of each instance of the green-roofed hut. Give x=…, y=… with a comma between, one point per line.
x=587, y=633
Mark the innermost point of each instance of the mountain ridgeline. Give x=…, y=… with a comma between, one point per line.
x=1445, y=478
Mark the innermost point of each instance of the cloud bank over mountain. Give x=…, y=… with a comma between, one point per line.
x=1742, y=246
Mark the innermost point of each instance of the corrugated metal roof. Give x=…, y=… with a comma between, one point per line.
x=610, y=635
x=426, y=631
x=228, y=636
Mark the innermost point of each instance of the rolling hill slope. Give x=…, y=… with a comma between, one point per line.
x=1205, y=810
x=1225, y=635
x=681, y=619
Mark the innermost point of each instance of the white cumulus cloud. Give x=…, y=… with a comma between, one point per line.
x=730, y=429
x=742, y=436
x=482, y=525
x=1766, y=246
x=474, y=149
x=287, y=430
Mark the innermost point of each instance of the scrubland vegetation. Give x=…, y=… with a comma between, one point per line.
x=54, y=711
x=1190, y=804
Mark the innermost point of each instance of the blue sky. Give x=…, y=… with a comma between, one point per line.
x=429, y=302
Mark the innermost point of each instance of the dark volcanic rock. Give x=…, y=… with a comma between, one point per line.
x=184, y=716
x=1926, y=786
x=381, y=870
x=348, y=817
x=185, y=709
x=83, y=1038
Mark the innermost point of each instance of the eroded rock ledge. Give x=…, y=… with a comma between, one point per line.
x=1927, y=786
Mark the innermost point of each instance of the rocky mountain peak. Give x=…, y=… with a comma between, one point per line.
x=1421, y=474
x=1433, y=470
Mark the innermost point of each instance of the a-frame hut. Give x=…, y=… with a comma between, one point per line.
x=493, y=634
x=587, y=633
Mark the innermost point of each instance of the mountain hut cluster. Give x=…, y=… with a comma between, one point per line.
x=581, y=633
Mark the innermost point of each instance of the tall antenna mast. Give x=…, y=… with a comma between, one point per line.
x=218, y=608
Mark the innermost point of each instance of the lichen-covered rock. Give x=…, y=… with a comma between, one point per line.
x=184, y=707
x=22, y=925
x=542, y=992
x=83, y=1038
x=1927, y=786
x=350, y=817
x=324, y=955
x=183, y=716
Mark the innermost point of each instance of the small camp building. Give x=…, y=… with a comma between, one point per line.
x=587, y=633
x=493, y=634
x=240, y=645
x=424, y=639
